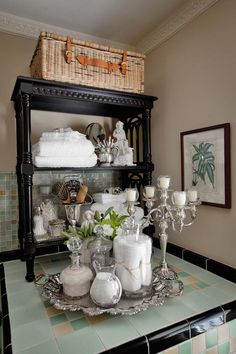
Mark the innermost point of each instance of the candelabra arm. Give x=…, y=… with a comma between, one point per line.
x=163, y=244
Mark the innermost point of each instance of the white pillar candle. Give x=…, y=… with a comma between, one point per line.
x=179, y=198
x=131, y=195
x=164, y=182
x=149, y=191
x=192, y=195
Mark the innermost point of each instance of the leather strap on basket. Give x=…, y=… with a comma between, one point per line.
x=124, y=62
x=68, y=51
x=111, y=67
x=83, y=60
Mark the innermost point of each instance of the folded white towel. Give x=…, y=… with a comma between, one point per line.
x=105, y=198
x=81, y=147
x=62, y=133
x=49, y=161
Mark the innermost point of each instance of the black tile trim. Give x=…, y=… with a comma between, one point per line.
x=6, y=329
x=206, y=321
x=222, y=270
x=194, y=258
x=168, y=337
x=229, y=311
x=136, y=346
x=211, y=265
x=10, y=255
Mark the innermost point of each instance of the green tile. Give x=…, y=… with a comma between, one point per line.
x=185, y=348
x=115, y=332
x=188, y=289
x=217, y=295
x=31, y=334
x=148, y=321
x=47, y=347
x=81, y=342
x=183, y=274
x=211, y=338
x=47, y=304
x=24, y=315
x=74, y=315
x=174, y=310
x=223, y=348
x=232, y=328
x=197, y=301
x=201, y=284
x=58, y=319
x=80, y=323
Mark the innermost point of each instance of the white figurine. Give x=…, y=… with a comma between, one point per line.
x=124, y=156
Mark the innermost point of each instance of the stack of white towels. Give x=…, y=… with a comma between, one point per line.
x=64, y=147
x=133, y=261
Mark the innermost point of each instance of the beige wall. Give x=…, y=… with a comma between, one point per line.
x=194, y=76
x=16, y=54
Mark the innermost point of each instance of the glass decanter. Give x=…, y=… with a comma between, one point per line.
x=132, y=251
x=76, y=278
x=100, y=247
x=106, y=288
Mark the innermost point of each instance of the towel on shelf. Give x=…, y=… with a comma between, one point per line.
x=67, y=134
x=104, y=198
x=48, y=161
x=64, y=147
x=60, y=147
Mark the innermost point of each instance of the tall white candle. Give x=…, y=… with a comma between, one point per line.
x=192, y=195
x=179, y=198
x=149, y=191
x=164, y=182
x=131, y=195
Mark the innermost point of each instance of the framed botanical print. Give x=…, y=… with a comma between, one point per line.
x=205, y=164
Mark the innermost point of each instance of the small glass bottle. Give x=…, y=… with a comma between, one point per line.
x=76, y=278
x=48, y=205
x=38, y=228
x=100, y=247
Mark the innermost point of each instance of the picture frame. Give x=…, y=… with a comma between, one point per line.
x=205, y=164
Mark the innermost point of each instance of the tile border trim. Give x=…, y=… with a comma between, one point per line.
x=209, y=264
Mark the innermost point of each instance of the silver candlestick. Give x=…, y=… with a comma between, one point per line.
x=180, y=213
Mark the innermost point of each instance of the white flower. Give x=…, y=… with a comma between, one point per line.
x=107, y=230
x=88, y=215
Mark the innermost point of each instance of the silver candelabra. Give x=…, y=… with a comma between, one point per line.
x=180, y=213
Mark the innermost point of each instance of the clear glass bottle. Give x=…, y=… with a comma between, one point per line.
x=106, y=288
x=38, y=227
x=100, y=247
x=76, y=278
x=49, y=205
x=132, y=251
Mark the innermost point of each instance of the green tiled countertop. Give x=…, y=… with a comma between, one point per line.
x=37, y=327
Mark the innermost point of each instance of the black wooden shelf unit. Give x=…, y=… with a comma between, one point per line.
x=134, y=110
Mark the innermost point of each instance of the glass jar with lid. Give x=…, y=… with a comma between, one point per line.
x=76, y=279
x=100, y=247
x=132, y=252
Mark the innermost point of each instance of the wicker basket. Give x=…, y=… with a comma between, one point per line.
x=74, y=61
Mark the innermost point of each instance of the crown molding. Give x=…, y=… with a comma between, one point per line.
x=31, y=29
x=173, y=24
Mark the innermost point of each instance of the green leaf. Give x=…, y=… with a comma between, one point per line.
x=97, y=216
x=210, y=173
x=207, y=146
x=196, y=148
x=108, y=211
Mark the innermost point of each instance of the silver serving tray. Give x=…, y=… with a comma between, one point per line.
x=52, y=290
